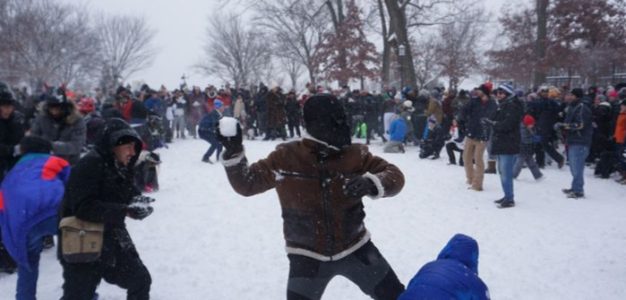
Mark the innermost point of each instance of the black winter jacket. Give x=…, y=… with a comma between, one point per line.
x=100, y=191
x=506, y=137
x=11, y=132
x=579, y=124
x=472, y=113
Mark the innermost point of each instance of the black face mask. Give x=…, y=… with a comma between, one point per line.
x=332, y=129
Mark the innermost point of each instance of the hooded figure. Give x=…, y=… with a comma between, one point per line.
x=29, y=201
x=101, y=189
x=320, y=181
x=60, y=123
x=454, y=275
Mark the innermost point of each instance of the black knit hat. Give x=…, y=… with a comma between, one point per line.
x=35, y=144
x=6, y=96
x=578, y=92
x=325, y=119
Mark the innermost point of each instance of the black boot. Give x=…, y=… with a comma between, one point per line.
x=507, y=203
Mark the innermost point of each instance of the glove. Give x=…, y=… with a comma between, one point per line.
x=139, y=211
x=360, y=186
x=487, y=122
x=141, y=199
x=557, y=126
x=233, y=144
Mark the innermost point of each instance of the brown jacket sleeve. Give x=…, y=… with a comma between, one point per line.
x=388, y=178
x=254, y=179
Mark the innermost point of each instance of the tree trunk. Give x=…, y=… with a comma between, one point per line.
x=539, y=76
x=386, y=53
x=397, y=21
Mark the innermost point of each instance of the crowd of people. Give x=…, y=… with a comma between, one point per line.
x=109, y=141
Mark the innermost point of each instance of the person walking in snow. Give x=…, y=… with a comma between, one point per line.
x=101, y=189
x=29, y=201
x=527, y=149
x=506, y=139
x=320, y=181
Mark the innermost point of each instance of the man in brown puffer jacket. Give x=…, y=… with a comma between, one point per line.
x=320, y=181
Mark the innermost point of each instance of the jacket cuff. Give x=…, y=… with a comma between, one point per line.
x=233, y=160
x=379, y=185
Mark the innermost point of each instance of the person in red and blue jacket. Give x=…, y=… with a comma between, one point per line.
x=454, y=275
x=30, y=197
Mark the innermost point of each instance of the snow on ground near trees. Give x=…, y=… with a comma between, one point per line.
x=206, y=242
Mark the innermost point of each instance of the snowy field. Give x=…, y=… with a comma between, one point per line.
x=206, y=242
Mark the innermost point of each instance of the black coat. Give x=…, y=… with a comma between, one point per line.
x=11, y=132
x=99, y=191
x=547, y=114
x=471, y=115
x=506, y=137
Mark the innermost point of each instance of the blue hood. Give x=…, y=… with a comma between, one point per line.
x=462, y=248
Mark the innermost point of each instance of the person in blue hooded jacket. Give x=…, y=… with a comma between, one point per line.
x=30, y=197
x=454, y=275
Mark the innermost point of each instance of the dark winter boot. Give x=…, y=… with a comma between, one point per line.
x=491, y=167
x=507, y=203
x=499, y=200
x=575, y=195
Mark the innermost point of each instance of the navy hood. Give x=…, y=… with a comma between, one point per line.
x=462, y=248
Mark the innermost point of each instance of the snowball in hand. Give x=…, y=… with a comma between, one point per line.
x=228, y=126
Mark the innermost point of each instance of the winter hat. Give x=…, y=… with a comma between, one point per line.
x=325, y=120
x=35, y=144
x=6, y=95
x=612, y=94
x=483, y=88
x=578, y=92
x=528, y=120
x=218, y=103
x=507, y=88
x=407, y=104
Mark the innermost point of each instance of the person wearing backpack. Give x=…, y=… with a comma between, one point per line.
x=30, y=196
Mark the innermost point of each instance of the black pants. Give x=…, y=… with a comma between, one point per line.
x=366, y=267
x=294, y=124
x=549, y=148
x=125, y=269
x=450, y=148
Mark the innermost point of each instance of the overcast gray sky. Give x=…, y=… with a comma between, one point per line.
x=181, y=27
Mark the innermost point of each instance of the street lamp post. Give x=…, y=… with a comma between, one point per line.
x=401, y=54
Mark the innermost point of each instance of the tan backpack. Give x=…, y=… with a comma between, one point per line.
x=81, y=241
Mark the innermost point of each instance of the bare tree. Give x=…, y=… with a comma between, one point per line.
x=45, y=41
x=294, y=28
x=427, y=67
x=458, y=49
x=293, y=67
x=125, y=47
x=233, y=52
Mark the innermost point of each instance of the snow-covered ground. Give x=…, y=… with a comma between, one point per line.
x=206, y=242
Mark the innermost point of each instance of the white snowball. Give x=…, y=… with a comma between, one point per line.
x=228, y=126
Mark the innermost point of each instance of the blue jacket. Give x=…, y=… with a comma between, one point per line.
x=397, y=130
x=30, y=193
x=454, y=275
x=207, y=129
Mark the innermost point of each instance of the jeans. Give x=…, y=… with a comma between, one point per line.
x=528, y=159
x=27, y=277
x=215, y=145
x=577, y=155
x=505, y=168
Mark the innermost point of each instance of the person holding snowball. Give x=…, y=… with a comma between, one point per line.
x=320, y=181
